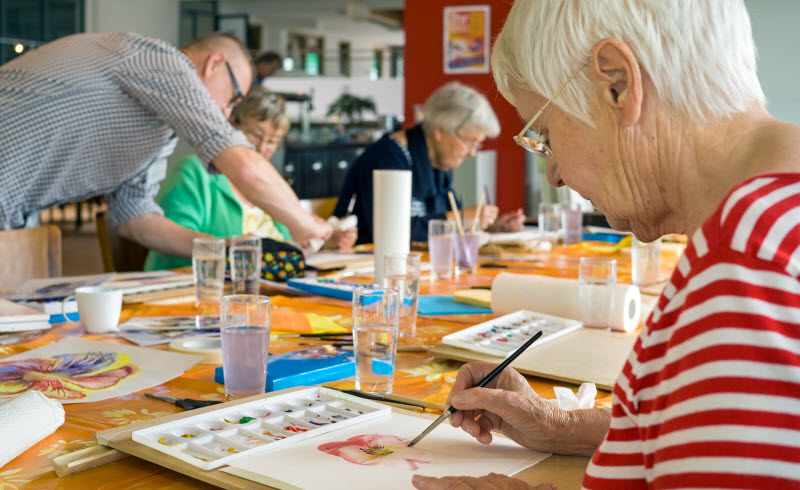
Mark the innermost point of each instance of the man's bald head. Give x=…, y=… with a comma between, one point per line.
x=220, y=41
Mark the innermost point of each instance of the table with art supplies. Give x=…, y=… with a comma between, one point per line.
x=104, y=430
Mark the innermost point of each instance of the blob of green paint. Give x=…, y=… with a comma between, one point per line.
x=245, y=420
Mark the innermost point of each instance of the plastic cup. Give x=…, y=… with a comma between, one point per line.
x=244, y=325
x=645, y=259
x=375, y=330
x=549, y=222
x=245, y=261
x=208, y=264
x=597, y=280
x=401, y=273
x=571, y=223
x=441, y=240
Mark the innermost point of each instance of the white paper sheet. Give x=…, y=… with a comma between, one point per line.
x=450, y=452
x=75, y=370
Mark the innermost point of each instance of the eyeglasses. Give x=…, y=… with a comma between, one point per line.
x=263, y=138
x=470, y=145
x=239, y=96
x=533, y=145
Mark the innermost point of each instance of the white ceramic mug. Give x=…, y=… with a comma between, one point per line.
x=98, y=307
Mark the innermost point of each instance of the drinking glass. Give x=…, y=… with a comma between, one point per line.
x=597, y=280
x=466, y=249
x=401, y=273
x=571, y=223
x=441, y=238
x=645, y=258
x=375, y=324
x=244, y=324
x=208, y=264
x=245, y=260
x=549, y=222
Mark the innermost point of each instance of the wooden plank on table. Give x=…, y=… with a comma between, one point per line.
x=584, y=356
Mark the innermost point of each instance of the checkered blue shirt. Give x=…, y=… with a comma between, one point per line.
x=89, y=114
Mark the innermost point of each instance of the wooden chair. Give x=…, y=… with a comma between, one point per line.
x=322, y=207
x=29, y=253
x=119, y=254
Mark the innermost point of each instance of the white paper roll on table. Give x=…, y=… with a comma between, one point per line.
x=208, y=347
x=391, y=215
x=26, y=420
x=559, y=297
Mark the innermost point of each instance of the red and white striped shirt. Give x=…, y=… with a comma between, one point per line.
x=710, y=395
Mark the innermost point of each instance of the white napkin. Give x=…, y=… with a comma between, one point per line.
x=567, y=400
x=26, y=420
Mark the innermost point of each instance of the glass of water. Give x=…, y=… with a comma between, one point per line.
x=645, y=259
x=244, y=325
x=571, y=223
x=375, y=324
x=245, y=260
x=401, y=273
x=208, y=265
x=597, y=280
x=441, y=240
x=549, y=222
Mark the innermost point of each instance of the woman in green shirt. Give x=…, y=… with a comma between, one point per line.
x=208, y=203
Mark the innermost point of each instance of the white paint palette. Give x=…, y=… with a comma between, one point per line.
x=504, y=335
x=215, y=438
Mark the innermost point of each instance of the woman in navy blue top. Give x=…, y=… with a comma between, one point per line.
x=457, y=120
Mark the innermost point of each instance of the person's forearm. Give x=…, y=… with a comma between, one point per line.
x=262, y=185
x=583, y=431
x=160, y=234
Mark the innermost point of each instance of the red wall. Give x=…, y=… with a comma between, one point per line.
x=424, y=73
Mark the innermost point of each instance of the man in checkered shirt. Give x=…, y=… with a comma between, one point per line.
x=97, y=114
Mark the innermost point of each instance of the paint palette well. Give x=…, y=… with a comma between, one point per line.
x=215, y=438
x=502, y=336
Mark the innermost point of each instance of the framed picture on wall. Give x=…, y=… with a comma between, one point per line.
x=466, y=39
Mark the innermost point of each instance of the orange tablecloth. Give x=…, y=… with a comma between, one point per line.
x=418, y=375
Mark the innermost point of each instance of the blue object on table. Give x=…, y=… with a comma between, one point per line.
x=59, y=318
x=332, y=288
x=446, y=305
x=604, y=237
x=304, y=367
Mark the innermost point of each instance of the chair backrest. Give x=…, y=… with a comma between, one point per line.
x=28, y=253
x=322, y=207
x=119, y=253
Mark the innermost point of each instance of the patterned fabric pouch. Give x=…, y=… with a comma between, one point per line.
x=280, y=260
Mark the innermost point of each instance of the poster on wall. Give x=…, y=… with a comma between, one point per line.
x=466, y=39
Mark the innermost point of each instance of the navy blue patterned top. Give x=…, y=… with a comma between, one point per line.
x=428, y=186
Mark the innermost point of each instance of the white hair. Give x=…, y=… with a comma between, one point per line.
x=455, y=105
x=699, y=54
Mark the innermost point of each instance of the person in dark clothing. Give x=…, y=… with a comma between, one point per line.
x=457, y=120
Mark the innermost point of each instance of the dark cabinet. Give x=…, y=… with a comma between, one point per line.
x=316, y=171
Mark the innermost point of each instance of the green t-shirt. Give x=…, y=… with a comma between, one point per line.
x=199, y=201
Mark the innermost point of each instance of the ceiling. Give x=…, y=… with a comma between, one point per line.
x=386, y=12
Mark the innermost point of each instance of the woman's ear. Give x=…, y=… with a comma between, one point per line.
x=616, y=74
x=437, y=133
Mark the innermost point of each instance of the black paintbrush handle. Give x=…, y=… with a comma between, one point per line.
x=503, y=365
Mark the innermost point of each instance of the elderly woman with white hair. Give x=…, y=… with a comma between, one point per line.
x=652, y=110
x=457, y=120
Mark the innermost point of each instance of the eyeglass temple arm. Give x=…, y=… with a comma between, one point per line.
x=536, y=116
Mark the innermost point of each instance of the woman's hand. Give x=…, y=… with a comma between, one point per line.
x=509, y=405
x=508, y=222
x=342, y=240
x=491, y=481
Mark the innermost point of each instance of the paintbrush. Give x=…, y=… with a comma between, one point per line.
x=477, y=219
x=450, y=411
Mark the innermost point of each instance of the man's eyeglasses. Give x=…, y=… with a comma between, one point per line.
x=239, y=95
x=534, y=145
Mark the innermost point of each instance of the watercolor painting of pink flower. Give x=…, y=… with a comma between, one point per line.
x=67, y=376
x=377, y=449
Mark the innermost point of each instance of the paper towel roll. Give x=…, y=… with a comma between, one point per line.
x=559, y=297
x=391, y=215
x=26, y=420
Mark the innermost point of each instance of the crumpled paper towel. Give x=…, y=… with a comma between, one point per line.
x=567, y=400
x=26, y=420
x=344, y=224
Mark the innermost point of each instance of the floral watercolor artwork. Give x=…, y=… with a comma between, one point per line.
x=75, y=370
x=377, y=449
x=67, y=376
